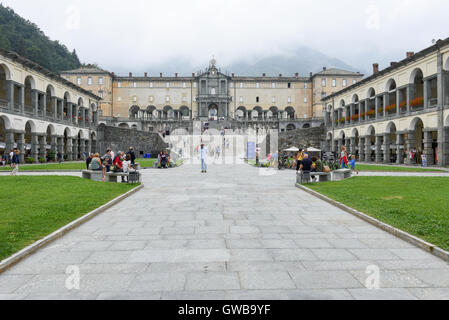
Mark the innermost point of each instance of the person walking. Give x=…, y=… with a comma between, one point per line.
x=15, y=163
x=132, y=156
x=204, y=153
x=4, y=157
x=89, y=160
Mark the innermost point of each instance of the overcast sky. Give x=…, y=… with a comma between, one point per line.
x=134, y=34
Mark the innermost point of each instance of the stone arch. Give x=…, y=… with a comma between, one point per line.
x=391, y=85
x=290, y=112
x=330, y=107
x=80, y=102
x=329, y=136
x=67, y=97
x=4, y=69
x=342, y=103
x=50, y=91
x=355, y=98
x=446, y=123
x=291, y=127
x=371, y=131
x=134, y=127
x=306, y=126
x=123, y=125
x=32, y=125
x=134, y=112
x=29, y=86
x=342, y=135
x=168, y=112
x=49, y=133
x=415, y=73
x=32, y=83
x=446, y=64
x=184, y=111
x=415, y=122
x=391, y=127
x=371, y=93
x=355, y=133
x=6, y=122
x=68, y=132
x=241, y=112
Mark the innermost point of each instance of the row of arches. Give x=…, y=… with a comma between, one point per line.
x=152, y=113
x=258, y=113
x=26, y=99
x=420, y=93
x=412, y=146
x=45, y=145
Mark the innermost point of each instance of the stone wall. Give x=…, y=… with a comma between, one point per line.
x=302, y=138
x=120, y=139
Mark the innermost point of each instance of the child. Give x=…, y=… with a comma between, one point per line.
x=352, y=164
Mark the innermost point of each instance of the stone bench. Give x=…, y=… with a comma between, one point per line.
x=132, y=177
x=323, y=176
x=342, y=174
x=93, y=175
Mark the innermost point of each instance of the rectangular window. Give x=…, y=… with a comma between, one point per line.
x=100, y=80
x=232, y=84
x=119, y=84
x=257, y=85
x=323, y=82
x=273, y=85
x=167, y=99
x=334, y=83
x=354, y=81
x=134, y=98
x=306, y=100
x=167, y=84
x=78, y=81
x=273, y=100
x=151, y=84
x=257, y=99
x=306, y=86
x=344, y=82
x=184, y=85
x=213, y=91
x=289, y=100
x=135, y=84
x=241, y=99
x=323, y=95
x=119, y=99
x=289, y=85
x=100, y=94
x=184, y=99
x=194, y=84
x=241, y=85
x=89, y=81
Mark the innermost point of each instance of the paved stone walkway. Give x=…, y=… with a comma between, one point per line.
x=231, y=234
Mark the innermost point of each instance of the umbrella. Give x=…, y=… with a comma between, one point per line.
x=313, y=150
x=292, y=149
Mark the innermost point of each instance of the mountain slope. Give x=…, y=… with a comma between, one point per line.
x=26, y=39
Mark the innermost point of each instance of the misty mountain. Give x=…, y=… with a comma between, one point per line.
x=302, y=60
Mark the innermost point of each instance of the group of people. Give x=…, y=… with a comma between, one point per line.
x=163, y=160
x=12, y=159
x=111, y=162
x=347, y=161
x=309, y=164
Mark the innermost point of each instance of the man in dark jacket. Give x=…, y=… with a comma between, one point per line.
x=132, y=155
x=15, y=162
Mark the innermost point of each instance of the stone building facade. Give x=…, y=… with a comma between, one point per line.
x=151, y=103
x=397, y=115
x=42, y=112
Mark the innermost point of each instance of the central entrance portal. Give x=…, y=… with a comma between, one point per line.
x=213, y=112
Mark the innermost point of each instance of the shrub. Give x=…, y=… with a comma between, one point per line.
x=30, y=160
x=42, y=160
x=51, y=155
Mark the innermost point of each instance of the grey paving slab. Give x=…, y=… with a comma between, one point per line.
x=225, y=235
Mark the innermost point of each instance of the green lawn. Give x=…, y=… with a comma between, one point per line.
x=417, y=205
x=34, y=207
x=376, y=168
x=50, y=167
x=146, y=163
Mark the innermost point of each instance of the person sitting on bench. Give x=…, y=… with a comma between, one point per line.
x=305, y=166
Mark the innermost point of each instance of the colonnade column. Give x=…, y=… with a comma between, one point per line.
x=75, y=149
x=34, y=147
x=361, y=149
x=428, y=150
x=83, y=148
x=21, y=146
x=368, y=149
x=9, y=141
x=54, y=148
x=387, y=144
x=10, y=93
x=60, y=147
x=409, y=145
x=69, y=149
x=399, y=150
x=443, y=147
x=378, y=151
x=352, y=146
x=42, y=146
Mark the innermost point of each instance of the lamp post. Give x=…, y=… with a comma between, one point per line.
x=257, y=144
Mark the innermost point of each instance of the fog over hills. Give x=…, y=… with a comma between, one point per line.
x=302, y=60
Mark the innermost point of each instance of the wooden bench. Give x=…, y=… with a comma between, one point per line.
x=93, y=175
x=342, y=174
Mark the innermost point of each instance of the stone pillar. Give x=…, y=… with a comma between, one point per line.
x=89, y=147
x=10, y=94
x=386, y=98
x=35, y=101
x=368, y=149
x=378, y=151
x=44, y=105
x=21, y=146
x=42, y=146
x=443, y=147
x=387, y=144
x=352, y=146
x=426, y=93
x=70, y=112
x=34, y=147
x=83, y=148
x=54, y=107
x=409, y=144
x=69, y=149
x=340, y=144
x=399, y=150
x=9, y=141
x=54, y=147
x=428, y=151
x=362, y=149
x=60, y=147
x=377, y=104
x=22, y=98
x=408, y=90
x=75, y=149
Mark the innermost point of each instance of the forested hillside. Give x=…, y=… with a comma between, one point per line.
x=25, y=38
